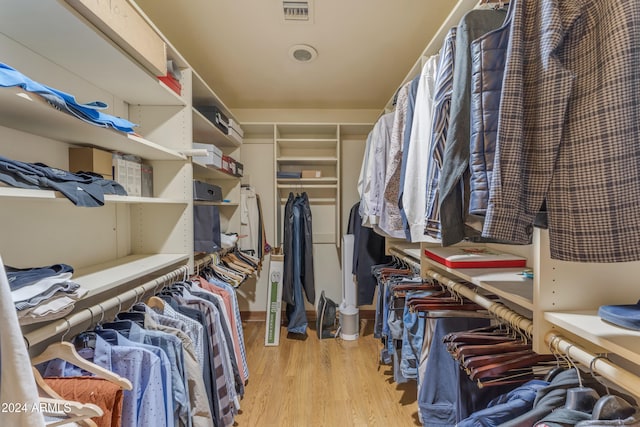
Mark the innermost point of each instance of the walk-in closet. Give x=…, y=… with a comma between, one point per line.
x=319, y=213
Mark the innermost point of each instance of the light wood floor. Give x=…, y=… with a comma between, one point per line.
x=318, y=383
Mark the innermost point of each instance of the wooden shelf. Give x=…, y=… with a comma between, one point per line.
x=309, y=180
x=115, y=72
x=108, y=276
x=221, y=204
x=506, y=283
x=24, y=193
x=29, y=113
x=207, y=133
x=308, y=187
x=589, y=326
x=307, y=160
x=200, y=170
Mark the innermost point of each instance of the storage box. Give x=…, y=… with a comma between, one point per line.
x=228, y=165
x=215, y=116
x=235, y=126
x=217, y=157
x=274, y=301
x=173, y=84
x=473, y=257
x=87, y=159
x=235, y=136
x=146, y=173
x=311, y=174
x=127, y=172
x=122, y=23
x=239, y=168
x=206, y=192
x=205, y=160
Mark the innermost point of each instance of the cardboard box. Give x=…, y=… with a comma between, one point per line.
x=87, y=159
x=122, y=23
x=274, y=301
x=311, y=174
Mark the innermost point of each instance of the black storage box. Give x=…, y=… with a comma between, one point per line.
x=206, y=192
x=239, y=169
x=216, y=117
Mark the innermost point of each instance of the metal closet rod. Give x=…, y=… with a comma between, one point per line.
x=88, y=317
x=499, y=310
x=596, y=363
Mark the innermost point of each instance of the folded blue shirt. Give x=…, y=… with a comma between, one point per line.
x=10, y=77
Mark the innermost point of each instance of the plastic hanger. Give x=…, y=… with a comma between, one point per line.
x=609, y=407
x=580, y=398
x=67, y=352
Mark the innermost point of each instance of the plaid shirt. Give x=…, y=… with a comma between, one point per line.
x=569, y=130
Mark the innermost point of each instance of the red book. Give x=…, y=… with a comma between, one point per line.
x=474, y=257
x=173, y=84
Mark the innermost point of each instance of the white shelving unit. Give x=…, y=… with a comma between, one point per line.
x=204, y=131
x=129, y=240
x=299, y=147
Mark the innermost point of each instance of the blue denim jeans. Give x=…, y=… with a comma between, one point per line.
x=412, y=337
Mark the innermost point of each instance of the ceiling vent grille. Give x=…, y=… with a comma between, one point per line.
x=296, y=10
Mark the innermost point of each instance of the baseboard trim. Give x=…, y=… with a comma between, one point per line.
x=261, y=316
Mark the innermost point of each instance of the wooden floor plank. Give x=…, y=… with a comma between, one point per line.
x=318, y=383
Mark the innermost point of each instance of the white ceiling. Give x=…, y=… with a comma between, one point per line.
x=240, y=47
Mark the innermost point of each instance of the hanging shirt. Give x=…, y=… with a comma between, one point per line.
x=144, y=405
x=415, y=184
x=440, y=125
x=376, y=168
x=171, y=347
x=107, y=395
x=390, y=220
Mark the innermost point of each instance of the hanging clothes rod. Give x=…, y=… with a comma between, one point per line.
x=596, y=363
x=499, y=310
x=90, y=316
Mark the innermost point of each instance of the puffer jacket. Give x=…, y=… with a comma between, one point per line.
x=488, y=54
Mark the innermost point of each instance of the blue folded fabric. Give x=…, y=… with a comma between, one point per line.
x=627, y=316
x=63, y=101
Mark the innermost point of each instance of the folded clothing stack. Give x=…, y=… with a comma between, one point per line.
x=43, y=293
x=289, y=175
x=10, y=77
x=82, y=188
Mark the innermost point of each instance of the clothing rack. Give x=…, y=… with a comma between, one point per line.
x=499, y=310
x=89, y=317
x=596, y=363
x=557, y=343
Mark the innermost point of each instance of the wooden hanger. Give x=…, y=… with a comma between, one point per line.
x=155, y=302
x=80, y=412
x=67, y=352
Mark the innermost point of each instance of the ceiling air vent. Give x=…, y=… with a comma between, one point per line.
x=296, y=10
